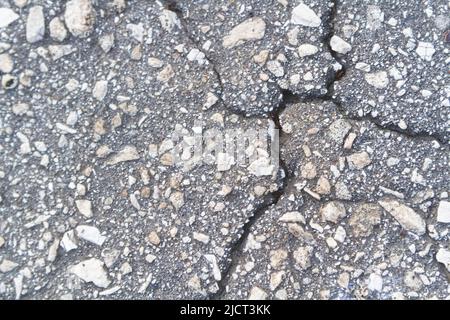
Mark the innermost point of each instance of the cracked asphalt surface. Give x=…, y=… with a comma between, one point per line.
x=94, y=205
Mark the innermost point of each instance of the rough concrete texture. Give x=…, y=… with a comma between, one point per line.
x=94, y=205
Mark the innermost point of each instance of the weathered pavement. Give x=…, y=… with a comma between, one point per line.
x=94, y=205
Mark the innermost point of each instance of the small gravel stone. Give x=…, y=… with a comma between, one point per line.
x=333, y=211
x=308, y=171
x=84, y=207
x=79, y=17
x=215, y=267
x=128, y=153
x=69, y=241
x=257, y=293
x=339, y=45
x=375, y=282
x=201, y=237
x=100, y=90
x=154, y=238
x=364, y=217
x=57, y=29
x=7, y=266
x=6, y=63
x=307, y=49
x=35, y=29
x=292, y=216
x=106, y=42
x=425, y=50
x=378, y=79
x=302, y=257
x=443, y=212
x=359, y=160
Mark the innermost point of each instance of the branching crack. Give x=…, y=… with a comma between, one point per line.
x=288, y=98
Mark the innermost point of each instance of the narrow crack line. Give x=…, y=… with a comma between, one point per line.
x=421, y=135
x=270, y=200
x=238, y=247
x=172, y=5
x=329, y=33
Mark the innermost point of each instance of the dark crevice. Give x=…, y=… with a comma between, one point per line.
x=238, y=247
x=270, y=200
x=333, y=76
x=421, y=135
x=173, y=6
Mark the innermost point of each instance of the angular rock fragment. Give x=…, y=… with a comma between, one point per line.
x=303, y=15
x=91, y=270
x=69, y=241
x=257, y=293
x=249, y=30
x=35, y=28
x=7, y=16
x=57, y=29
x=407, y=217
x=128, y=153
x=91, y=234
x=443, y=212
x=7, y=266
x=443, y=256
x=79, y=17
x=364, y=218
x=84, y=207
x=340, y=45
x=333, y=211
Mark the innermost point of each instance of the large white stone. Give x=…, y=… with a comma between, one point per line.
x=307, y=49
x=425, y=50
x=249, y=30
x=443, y=212
x=443, y=256
x=91, y=234
x=303, y=15
x=91, y=270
